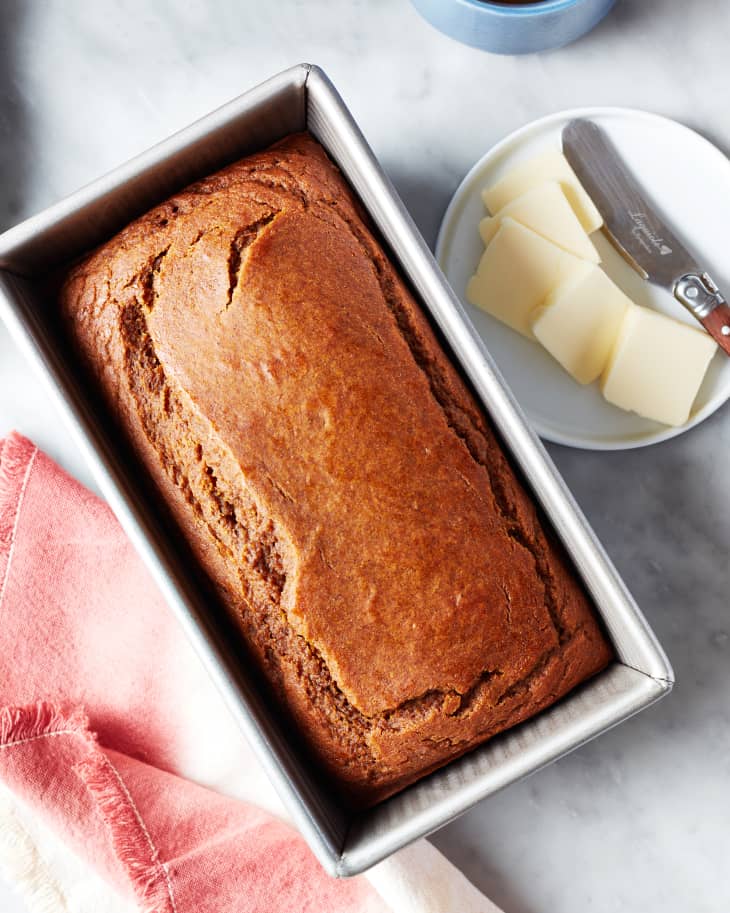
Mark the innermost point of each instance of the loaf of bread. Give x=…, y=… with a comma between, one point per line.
x=330, y=470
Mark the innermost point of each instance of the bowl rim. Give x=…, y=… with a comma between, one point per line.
x=525, y=9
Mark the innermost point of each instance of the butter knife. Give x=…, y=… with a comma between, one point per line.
x=638, y=232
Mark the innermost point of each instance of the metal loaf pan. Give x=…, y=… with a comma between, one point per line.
x=297, y=99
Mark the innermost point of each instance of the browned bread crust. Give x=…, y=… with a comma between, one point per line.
x=330, y=470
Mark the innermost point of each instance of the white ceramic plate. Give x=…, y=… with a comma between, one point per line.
x=689, y=181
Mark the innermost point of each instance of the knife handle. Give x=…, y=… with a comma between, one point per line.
x=717, y=324
x=702, y=298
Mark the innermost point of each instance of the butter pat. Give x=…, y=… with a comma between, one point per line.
x=516, y=273
x=657, y=366
x=580, y=320
x=545, y=209
x=550, y=166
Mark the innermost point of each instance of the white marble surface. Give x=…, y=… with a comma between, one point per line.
x=640, y=819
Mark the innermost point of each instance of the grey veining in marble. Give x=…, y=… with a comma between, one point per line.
x=638, y=820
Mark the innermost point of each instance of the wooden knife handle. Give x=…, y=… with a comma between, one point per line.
x=717, y=324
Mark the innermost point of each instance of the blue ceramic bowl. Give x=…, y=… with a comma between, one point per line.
x=522, y=28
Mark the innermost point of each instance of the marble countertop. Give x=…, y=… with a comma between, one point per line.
x=639, y=819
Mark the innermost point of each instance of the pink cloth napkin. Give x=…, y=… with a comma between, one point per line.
x=100, y=697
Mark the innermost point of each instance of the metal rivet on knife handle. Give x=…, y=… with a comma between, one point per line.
x=698, y=294
x=701, y=296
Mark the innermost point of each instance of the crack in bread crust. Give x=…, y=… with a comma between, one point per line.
x=242, y=240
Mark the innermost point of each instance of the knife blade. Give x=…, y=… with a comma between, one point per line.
x=639, y=233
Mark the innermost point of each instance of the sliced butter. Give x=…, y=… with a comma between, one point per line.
x=516, y=273
x=657, y=366
x=580, y=320
x=550, y=166
x=546, y=210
